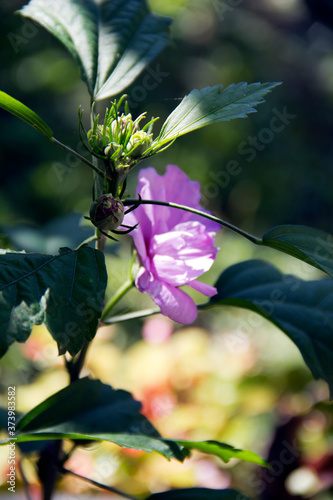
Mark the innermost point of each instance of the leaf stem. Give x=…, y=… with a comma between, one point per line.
x=86, y=241
x=133, y=315
x=73, y=152
x=253, y=239
x=96, y=483
x=125, y=287
x=76, y=366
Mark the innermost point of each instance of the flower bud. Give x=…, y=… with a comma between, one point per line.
x=107, y=213
x=113, y=148
x=95, y=138
x=118, y=126
x=140, y=141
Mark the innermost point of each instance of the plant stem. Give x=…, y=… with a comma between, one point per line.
x=142, y=314
x=96, y=483
x=253, y=239
x=77, y=365
x=86, y=241
x=134, y=315
x=73, y=152
x=117, y=296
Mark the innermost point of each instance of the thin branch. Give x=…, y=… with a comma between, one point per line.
x=142, y=314
x=74, y=153
x=96, y=483
x=134, y=315
x=253, y=239
x=86, y=241
x=116, y=297
x=76, y=366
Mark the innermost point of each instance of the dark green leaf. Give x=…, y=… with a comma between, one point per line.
x=90, y=410
x=64, y=291
x=112, y=41
x=210, y=105
x=223, y=450
x=302, y=309
x=305, y=243
x=198, y=494
x=24, y=113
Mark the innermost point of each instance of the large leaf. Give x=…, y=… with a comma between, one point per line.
x=305, y=243
x=198, y=494
x=212, y=104
x=302, y=309
x=64, y=291
x=111, y=40
x=24, y=113
x=91, y=410
x=223, y=451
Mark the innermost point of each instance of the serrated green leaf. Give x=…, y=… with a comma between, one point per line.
x=223, y=451
x=64, y=291
x=112, y=41
x=91, y=410
x=310, y=245
x=198, y=494
x=210, y=105
x=21, y=111
x=301, y=309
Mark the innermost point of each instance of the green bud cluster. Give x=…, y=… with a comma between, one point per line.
x=120, y=139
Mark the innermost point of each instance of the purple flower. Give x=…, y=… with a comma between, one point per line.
x=174, y=247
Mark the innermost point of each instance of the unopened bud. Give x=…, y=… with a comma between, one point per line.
x=138, y=143
x=107, y=213
x=113, y=150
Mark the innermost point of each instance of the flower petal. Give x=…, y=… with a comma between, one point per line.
x=182, y=255
x=176, y=304
x=203, y=288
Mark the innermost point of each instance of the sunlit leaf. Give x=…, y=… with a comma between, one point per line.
x=24, y=113
x=305, y=243
x=91, y=410
x=64, y=291
x=210, y=105
x=223, y=451
x=112, y=41
x=302, y=309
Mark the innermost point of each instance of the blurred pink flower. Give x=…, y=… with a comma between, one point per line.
x=174, y=247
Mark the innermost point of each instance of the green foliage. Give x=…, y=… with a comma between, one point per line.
x=24, y=113
x=112, y=41
x=310, y=245
x=301, y=309
x=210, y=105
x=223, y=451
x=64, y=291
x=90, y=410
x=198, y=494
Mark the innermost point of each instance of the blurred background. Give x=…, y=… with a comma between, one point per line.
x=210, y=380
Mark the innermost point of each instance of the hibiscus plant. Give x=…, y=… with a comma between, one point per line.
x=113, y=41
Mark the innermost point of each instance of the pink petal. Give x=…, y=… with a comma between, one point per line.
x=174, y=186
x=176, y=304
x=203, y=288
x=183, y=255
